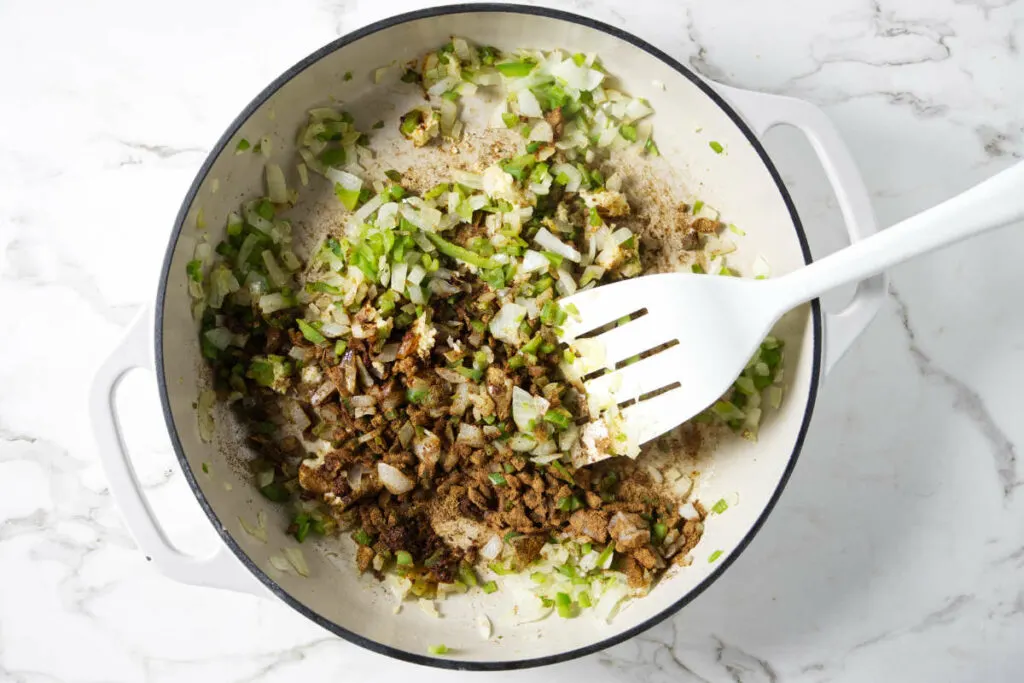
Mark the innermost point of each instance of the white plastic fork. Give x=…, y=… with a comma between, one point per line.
x=719, y=322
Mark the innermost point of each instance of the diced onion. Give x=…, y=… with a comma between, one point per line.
x=398, y=276
x=492, y=548
x=530, y=609
x=542, y=132
x=277, y=189
x=400, y=587
x=259, y=532
x=688, y=512
x=322, y=393
x=274, y=272
x=367, y=209
x=334, y=330
x=761, y=268
x=429, y=608
x=347, y=180
x=636, y=109
x=443, y=85
x=387, y=216
x=449, y=375
x=416, y=274
x=592, y=273
x=471, y=435
x=498, y=183
x=271, y=303
x=220, y=337
x=363, y=401
x=462, y=49
x=474, y=181
x=204, y=251
x=496, y=120
x=570, y=172
x=290, y=260
x=440, y=286
x=354, y=477
x=592, y=355
x=528, y=104
x=393, y=479
x=311, y=161
x=527, y=410
x=297, y=560
x=578, y=77
x=427, y=218
x=522, y=443
x=719, y=246
x=487, y=77
x=614, y=182
x=427, y=447
x=534, y=261
x=222, y=283
x=567, y=437
x=607, y=136
x=449, y=110
x=542, y=188
x=622, y=235
x=405, y=434
x=532, y=309
x=310, y=374
x=545, y=239
x=706, y=211
x=566, y=285
x=415, y=294
x=545, y=448
x=505, y=325
x=483, y=625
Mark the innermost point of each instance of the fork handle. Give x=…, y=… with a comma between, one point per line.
x=991, y=204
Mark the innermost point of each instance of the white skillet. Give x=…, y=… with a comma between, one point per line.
x=742, y=183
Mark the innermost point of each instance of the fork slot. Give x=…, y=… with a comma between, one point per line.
x=647, y=354
x=658, y=392
x=658, y=414
x=637, y=379
x=629, y=360
x=649, y=395
x=645, y=335
x=621, y=321
x=601, y=306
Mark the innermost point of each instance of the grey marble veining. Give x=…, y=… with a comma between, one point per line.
x=897, y=551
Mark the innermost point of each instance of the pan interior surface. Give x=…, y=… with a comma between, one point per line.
x=739, y=182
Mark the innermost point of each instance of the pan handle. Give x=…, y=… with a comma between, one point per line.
x=762, y=112
x=220, y=570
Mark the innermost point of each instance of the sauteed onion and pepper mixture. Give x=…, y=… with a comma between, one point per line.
x=405, y=383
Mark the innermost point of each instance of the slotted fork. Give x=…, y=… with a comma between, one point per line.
x=715, y=324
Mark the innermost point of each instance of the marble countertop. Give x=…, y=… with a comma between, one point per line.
x=897, y=551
